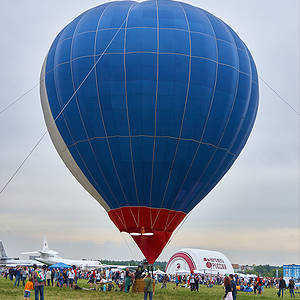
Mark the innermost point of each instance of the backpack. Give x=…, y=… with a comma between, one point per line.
x=40, y=276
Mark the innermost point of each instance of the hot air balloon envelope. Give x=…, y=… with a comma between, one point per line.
x=152, y=102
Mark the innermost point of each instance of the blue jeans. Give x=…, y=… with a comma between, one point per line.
x=146, y=295
x=18, y=277
x=292, y=293
x=234, y=295
x=280, y=291
x=259, y=289
x=39, y=290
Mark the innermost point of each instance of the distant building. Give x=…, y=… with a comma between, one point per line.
x=246, y=268
x=292, y=271
x=204, y=261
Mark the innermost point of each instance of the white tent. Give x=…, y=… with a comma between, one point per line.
x=159, y=272
x=198, y=272
x=204, y=261
x=182, y=271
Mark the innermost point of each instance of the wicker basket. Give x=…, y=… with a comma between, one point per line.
x=139, y=284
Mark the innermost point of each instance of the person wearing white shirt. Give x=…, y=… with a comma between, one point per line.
x=71, y=276
x=48, y=277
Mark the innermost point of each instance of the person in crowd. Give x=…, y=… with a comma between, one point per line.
x=117, y=277
x=65, y=276
x=177, y=280
x=148, y=290
x=281, y=286
x=60, y=278
x=107, y=274
x=98, y=278
x=56, y=276
x=272, y=282
x=28, y=288
x=255, y=285
x=259, y=284
x=48, y=276
x=228, y=289
x=76, y=275
x=24, y=273
x=233, y=286
x=91, y=279
x=192, y=282
x=291, y=287
x=18, y=276
x=11, y=274
x=52, y=276
x=164, y=282
x=71, y=276
x=38, y=278
x=127, y=280
x=197, y=283
x=122, y=276
x=267, y=283
x=94, y=276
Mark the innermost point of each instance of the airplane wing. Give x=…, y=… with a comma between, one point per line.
x=48, y=252
x=24, y=264
x=8, y=258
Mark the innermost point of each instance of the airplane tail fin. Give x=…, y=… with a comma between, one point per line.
x=45, y=244
x=2, y=251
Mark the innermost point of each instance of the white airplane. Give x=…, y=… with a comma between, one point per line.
x=14, y=261
x=50, y=257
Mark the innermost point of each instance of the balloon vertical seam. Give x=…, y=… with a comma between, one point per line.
x=127, y=113
x=156, y=96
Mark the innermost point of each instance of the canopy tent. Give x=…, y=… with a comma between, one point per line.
x=159, y=272
x=60, y=266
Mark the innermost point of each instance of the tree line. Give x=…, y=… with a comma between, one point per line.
x=157, y=265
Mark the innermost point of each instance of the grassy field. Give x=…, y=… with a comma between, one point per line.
x=9, y=292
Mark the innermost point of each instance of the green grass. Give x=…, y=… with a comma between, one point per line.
x=8, y=292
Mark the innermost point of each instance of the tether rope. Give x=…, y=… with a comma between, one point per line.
x=279, y=96
x=12, y=103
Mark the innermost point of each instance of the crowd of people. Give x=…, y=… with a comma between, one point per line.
x=231, y=283
x=101, y=279
x=108, y=279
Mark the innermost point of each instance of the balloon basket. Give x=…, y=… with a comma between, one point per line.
x=139, y=285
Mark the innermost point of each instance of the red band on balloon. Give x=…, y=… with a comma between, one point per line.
x=139, y=220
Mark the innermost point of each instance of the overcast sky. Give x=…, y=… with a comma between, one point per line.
x=252, y=215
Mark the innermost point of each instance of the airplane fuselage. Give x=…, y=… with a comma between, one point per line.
x=78, y=263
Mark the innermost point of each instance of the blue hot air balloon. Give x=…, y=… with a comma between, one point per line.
x=148, y=104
